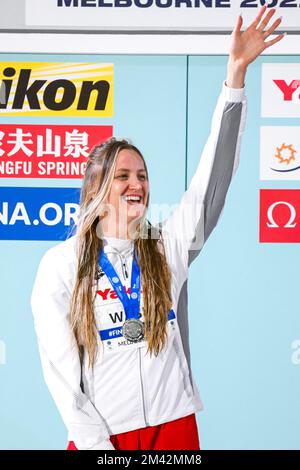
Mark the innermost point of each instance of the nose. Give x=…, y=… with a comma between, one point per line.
x=134, y=182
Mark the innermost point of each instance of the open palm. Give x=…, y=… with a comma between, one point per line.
x=247, y=45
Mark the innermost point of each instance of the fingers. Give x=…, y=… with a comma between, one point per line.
x=260, y=27
x=260, y=23
x=278, y=38
x=266, y=20
x=269, y=31
x=259, y=16
x=238, y=25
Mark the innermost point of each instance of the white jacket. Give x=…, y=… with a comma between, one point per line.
x=127, y=389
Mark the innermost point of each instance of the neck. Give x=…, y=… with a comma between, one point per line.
x=119, y=231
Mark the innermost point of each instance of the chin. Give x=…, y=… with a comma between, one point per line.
x=136, y=213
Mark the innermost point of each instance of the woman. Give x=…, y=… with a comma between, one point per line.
x=110, y=303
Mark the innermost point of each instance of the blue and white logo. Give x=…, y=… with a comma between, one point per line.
x=38, y=213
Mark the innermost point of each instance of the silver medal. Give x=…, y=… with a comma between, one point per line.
x=133, y=330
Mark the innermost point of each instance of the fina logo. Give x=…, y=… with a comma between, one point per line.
x=20, y=213
x=38, y=213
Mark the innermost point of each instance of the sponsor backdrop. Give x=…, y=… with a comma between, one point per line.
x=155, y=15
x=243, y=287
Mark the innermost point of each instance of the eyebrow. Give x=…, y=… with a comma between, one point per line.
x=127, y=169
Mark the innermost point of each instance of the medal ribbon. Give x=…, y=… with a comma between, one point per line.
x=131, y=304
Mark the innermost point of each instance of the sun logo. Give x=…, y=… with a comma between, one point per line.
x=280, y=156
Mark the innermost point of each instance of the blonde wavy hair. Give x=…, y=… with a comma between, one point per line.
x=155, y=272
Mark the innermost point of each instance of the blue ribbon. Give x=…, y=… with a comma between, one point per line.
x=131, y=304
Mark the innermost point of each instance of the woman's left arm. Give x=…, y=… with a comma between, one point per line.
x=202, y=204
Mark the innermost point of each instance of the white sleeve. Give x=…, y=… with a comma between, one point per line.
x=202, y=204
x=60, y=361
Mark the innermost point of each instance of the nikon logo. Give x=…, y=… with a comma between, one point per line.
x=65, y=89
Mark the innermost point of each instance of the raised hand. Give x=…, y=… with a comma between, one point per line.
x=249, y=44
x=246, y=46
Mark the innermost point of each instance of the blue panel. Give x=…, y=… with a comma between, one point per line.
x=37, y=213
x=245, y=315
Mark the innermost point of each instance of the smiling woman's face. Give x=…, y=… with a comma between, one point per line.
x=130, y=188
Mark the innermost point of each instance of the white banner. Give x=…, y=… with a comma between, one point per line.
x=280, y=96
x=178, y=15
x=279, y=153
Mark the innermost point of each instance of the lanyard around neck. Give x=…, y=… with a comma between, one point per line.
x=132, y=303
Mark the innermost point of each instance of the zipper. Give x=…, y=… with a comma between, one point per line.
x=145, y=410
x=124, y=269
x=125, y=273
x=124, y=266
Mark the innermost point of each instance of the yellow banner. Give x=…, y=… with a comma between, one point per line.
x=56, y=89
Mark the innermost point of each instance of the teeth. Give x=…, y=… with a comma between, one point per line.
x=132, y=198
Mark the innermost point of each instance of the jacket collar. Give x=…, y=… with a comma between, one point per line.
x=118, y=245
x=111, y=245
